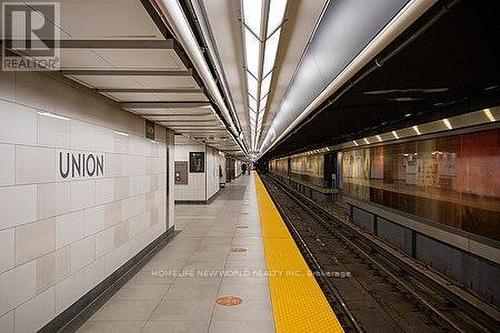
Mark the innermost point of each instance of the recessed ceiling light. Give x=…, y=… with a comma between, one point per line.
x=491, y=87
x=489, y=115
x=447, y=123
x=405, y=99
x=407, y=115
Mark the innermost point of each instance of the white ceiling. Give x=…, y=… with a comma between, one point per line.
x=223, y=16
x=119, y=69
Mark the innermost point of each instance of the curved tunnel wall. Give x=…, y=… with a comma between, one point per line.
x=345, y=29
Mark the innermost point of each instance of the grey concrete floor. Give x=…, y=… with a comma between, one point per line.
x=177, y=290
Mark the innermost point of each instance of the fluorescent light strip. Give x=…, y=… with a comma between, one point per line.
x=259, y=69
x=395, y=135
x=489, y=115
x=51, y=115
x=276, y=14
x=253, y=85
x=252, y=10
x=121, y=133
x=263, y=102
x=271, y=51
x=415, y=128
x=252, y=103
x=266, y=84
x=447, y=123
x=252, y=51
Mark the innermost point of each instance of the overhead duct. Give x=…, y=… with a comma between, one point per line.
x=172, y=11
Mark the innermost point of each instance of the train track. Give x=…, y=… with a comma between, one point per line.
x=369, y=290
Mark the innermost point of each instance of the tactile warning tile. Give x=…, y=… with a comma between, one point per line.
x=299, y=304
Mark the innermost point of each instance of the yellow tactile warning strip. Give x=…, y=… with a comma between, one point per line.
x=298, y=302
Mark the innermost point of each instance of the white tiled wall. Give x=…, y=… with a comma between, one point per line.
x=222, y=163
x=212, y=171
x=61, y=237
x=237, y=168
x=201, y=186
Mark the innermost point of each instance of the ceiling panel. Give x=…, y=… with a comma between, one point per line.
x=166, y=81
x=128, y=97
x=119, y=35
x=174, y=117
x=82, y=59
x=166, y=97
x=83, y=19
x=107, y=81
x=118, y=81
x=142, y=59
x=189, y=97
x=162, y=111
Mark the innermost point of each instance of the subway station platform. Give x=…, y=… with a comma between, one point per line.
x=216, y=275
x=125, y=204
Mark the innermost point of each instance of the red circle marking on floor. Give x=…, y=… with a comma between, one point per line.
x=229, y=301
x=237, y=249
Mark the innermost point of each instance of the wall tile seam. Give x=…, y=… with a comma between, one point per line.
x=112, y=225
x=130, y=243
x=105, y=101
x=35, y=110
x=70, y=181
x=77, y=271
x=83, y=119
x=20, y=304
x=51, y=217
x=83, y=210
x=77, y=150
x=38, y=257
x=51, y=286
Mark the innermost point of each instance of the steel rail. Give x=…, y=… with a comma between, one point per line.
x=301, y=201
x=351, y=320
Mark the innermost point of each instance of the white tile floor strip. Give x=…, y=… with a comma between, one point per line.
x=177, y=290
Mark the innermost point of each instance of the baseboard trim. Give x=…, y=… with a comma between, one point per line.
x=190, y=202
x=199, y=202
x=213, y=197
x=79, y=312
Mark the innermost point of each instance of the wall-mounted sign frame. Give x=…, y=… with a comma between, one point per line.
x=150, y=130
x=196, y=162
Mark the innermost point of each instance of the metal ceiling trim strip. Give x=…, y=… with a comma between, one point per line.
x=117, y=72
x=175, y=115
x=151, y=90
x=172, y=11
x=150, y=44
x=166, y=105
